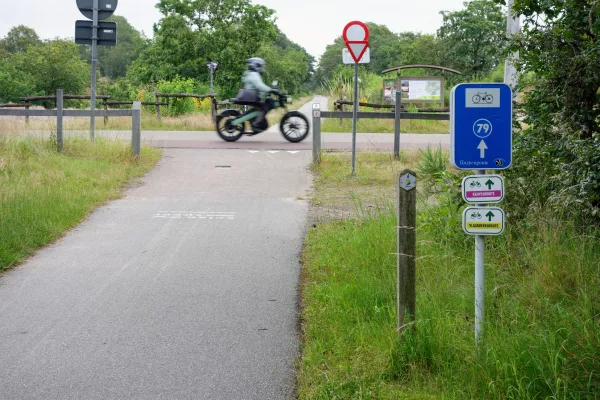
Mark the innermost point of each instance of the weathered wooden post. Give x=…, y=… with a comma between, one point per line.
x=27, y=109
x=157, y=103
x=106, y=113
x=406, y=245
x=213, y=107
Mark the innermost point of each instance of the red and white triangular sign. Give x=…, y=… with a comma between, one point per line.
x=357, y=49
x=356, y=36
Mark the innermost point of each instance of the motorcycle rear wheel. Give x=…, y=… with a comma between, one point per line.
x=225, y=129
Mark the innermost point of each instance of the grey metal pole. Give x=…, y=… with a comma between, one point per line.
x=211, y=80
x=136, y=128
x=316, y=138
x=479, y=281
x=512, y=28
x=94, y=62
x=59, y=120
x=397, y=124
x=355, y=119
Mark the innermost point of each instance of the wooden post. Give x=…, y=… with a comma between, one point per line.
x=213, y=107
x=105, y=116
x=156, y=100
x=27, y=108
x=407, y=218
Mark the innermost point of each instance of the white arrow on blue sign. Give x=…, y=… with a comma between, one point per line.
x=481, y=126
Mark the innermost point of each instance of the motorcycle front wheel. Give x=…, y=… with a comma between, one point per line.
x=294, y=126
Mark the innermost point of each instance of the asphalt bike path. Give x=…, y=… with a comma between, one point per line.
x=186, y=288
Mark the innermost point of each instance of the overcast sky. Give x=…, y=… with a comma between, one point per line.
x=312, y=23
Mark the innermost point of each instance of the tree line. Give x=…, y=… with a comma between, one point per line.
x=190, y=34
x=470, y=40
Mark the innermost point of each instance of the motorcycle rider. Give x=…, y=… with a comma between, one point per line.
x=252, y=80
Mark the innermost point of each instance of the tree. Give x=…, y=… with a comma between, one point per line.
x=14, y=83
x=288, y=63
x=388, y=50
x=472, y=38
x=52, y=65
x=193, y=32
x=559, y=49
x=19, y=38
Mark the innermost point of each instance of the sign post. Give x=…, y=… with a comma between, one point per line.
x=481, y=139
x=406, y=246
x=95, y=10
x=356, y=37
x=94, y=63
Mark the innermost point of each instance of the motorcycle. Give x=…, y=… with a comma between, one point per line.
x=231, y=124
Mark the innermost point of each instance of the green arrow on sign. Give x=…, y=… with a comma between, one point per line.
x=489, y=184
x=490, y=215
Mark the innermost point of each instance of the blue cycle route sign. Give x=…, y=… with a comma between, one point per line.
x=481, y=126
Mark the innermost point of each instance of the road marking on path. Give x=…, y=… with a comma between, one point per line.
x=195, y=215
x=273, y=151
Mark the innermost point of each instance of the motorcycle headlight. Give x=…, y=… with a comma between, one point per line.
x=289, y=99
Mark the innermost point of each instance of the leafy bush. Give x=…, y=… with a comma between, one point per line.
x=178, y=85
x=557, y=152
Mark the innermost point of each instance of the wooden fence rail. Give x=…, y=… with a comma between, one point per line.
x=338, y=105
x=12, y=105
x=65, y=97
x=27, y=100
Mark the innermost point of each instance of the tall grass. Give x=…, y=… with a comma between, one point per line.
x=385, y=126
x=43, y=193
x=542, y=332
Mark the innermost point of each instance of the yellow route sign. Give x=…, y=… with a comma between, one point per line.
x=483, y=221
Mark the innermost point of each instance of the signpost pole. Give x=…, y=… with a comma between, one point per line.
x=512, y=28
x=397, y=125
x=406, y=246
x=136, y=128
x=94, y=61
x=481, y=139
x=59, y=120
x=479, y=281
x=316, y=133
x=355, y=117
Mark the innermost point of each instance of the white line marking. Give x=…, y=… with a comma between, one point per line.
x=273, y=151
x=195, y=215
x=293, y=152
x=253, y=151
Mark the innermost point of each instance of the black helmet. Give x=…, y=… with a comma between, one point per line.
x=257, y=65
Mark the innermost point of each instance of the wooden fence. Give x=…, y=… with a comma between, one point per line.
x=28, y=100
x=339, y=106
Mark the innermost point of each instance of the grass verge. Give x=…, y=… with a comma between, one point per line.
x=43, y=193
x=542, y=336
x=385, y=126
